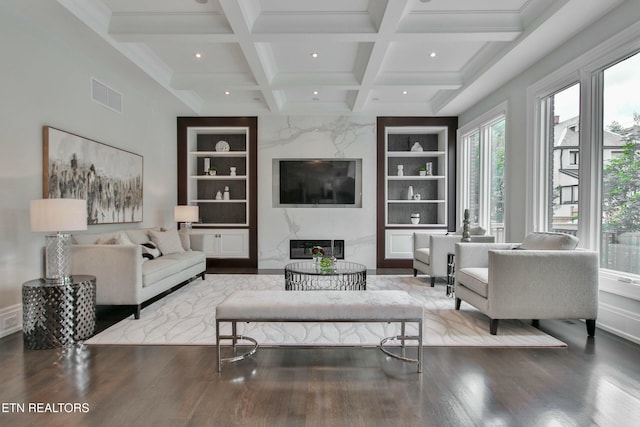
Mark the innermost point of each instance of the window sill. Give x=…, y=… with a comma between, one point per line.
x=622, y=284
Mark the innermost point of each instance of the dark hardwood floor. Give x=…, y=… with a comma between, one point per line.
x=595, y=381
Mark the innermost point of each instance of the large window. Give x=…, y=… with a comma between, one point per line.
x=585, y=157
x=482, y=172
x=620, y=200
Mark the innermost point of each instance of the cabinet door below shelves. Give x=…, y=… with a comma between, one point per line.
x=399, y=244
x=224, y=243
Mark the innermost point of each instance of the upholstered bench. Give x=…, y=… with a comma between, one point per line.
x=319, y=306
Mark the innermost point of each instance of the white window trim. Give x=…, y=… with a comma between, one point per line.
x=584, y=70
x=487, y=118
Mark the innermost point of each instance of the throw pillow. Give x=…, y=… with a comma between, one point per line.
x=549, y=241
x=185, y=237
x=106, y=240
x=138, y=236
x=123, y=239
x=150, y=251
x=167, y=241
x=474, y=230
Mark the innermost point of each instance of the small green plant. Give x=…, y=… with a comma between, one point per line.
x=423, y=169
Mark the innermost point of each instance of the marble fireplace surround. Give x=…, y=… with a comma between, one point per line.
x=320, y=137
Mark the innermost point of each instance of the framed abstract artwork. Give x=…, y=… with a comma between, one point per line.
x=110, y=179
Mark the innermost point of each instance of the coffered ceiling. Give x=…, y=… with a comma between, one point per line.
x=385, y=57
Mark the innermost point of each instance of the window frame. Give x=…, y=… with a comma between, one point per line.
x=482, y=125
x=587, y=70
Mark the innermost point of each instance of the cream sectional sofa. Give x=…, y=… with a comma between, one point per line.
x=124, y=276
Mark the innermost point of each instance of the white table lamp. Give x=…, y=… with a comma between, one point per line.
x=186, y=215
x=58, y=215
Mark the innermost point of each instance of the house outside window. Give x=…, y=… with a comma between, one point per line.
x=563, y=137
x=574, y=156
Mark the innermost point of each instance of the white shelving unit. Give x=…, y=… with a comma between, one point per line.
x=227, y=231
x=413, y=142
x=202, y=188
x=432, y=204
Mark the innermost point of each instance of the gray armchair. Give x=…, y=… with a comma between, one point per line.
x=430, y=251
x=545, y=277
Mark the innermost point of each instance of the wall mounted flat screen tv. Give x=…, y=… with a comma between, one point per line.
x=317, y=182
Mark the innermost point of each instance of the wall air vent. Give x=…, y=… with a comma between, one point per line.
x=105, y=96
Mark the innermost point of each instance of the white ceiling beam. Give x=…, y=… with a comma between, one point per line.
x=435, y=22
x=214, y=27
x=393, y=15
x=317, y=23
x=240, y=21
x=442, y=80
x=225, y=81
x=283, y=80
x=169, y=23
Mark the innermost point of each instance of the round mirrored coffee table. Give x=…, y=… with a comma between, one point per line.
x=308, y=276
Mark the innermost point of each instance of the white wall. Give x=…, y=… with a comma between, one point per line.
x=45, y=80
x=316, y=137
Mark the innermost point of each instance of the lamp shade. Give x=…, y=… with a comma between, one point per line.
x=183, y=213
x=50, y=215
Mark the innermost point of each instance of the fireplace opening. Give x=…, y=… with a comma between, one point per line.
x=301, y=249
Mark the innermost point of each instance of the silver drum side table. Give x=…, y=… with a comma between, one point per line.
x=57, y=315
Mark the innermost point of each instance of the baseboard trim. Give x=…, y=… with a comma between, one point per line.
x=10, y=320
x=618, y=321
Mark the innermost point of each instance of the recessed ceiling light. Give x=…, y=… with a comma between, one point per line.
x=198, y=55
x=404, y=92
x=315, y=92
x=226, y=92
x=314, y=54
x=201, y=1
x=432, y=54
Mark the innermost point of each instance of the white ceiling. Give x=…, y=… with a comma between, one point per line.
x=370, y=52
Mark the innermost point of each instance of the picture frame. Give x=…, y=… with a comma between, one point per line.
x=109, y=178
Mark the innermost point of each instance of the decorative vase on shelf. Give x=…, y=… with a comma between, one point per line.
x=232, y=170
x=400, y=170
x=415, y=218
x=218, y=195
x=225, y=195
x=416, y=147
x=429, y=168
x=207, y=165
x=410, y=193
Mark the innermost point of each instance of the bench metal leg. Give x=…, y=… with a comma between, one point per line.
x=218, y=345
x=420, y=346
x=402, y=338
x=234, y=337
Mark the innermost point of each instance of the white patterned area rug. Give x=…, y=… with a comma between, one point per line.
x=187, y=317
